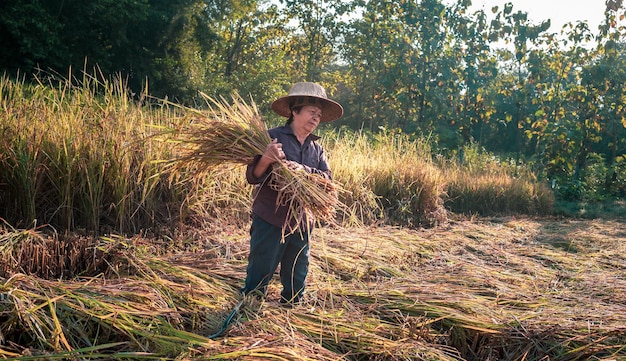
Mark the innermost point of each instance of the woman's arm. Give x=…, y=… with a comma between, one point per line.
x=261, y=165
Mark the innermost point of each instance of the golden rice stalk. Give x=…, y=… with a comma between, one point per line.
x=226, y=134
x=51, y=256
x=308, y=196
x=232, y=135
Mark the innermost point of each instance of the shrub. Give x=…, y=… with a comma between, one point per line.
x=393, y=169
x=487, y=185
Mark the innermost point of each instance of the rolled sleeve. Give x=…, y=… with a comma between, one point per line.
x=250, y=172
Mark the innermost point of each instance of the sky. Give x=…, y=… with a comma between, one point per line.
x=559, y=12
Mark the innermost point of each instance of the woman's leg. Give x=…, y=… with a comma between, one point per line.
x=265, y=253
x=294, y=267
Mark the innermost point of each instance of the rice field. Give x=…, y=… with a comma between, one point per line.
x=119, y=242
x=481, y=289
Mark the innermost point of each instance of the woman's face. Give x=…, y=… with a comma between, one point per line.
x=308, y=118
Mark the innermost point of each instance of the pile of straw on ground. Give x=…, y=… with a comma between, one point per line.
x=500, y=289
x=51, y=257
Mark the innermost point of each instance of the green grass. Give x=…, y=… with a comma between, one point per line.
x=610, y=209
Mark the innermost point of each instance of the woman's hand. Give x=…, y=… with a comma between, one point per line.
x=274, y=151
x=295, y=166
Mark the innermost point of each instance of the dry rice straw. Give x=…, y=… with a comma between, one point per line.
x=232, y=135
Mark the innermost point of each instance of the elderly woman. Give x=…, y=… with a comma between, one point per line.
x=305, y=106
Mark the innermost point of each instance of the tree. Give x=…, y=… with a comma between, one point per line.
x=610, y=76
x=57, y=34
x=312, y=46
x=476, y=72
x=398, y=56
x=29, y=35
x=515, y=28
x=251, y=57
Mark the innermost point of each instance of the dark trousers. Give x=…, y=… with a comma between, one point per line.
x=267, y=252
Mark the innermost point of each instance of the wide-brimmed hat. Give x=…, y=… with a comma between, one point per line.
x=306, y=93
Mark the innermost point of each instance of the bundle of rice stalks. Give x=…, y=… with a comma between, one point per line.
x=294, y=189
x=231, y=135
x=500, y=291
x=78, y=319
x=365, y=336
x=226, y=134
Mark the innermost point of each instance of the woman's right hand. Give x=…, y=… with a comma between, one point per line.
x=274, y=151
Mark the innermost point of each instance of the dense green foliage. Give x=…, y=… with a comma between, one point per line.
x=553, y=98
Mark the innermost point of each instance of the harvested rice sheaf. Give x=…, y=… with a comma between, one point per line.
x=231, y=135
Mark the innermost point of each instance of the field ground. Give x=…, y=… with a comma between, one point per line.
x=481, y=289
x=500, y=288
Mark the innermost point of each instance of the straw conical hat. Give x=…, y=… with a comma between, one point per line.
x=306, y=93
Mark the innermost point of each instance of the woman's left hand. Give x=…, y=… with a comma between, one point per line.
x=295, y=166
